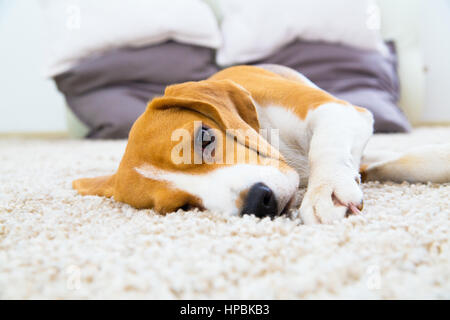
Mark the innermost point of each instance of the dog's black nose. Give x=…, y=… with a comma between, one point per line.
x=260, y=201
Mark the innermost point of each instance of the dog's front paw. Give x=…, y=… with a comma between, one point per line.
x=331, y=200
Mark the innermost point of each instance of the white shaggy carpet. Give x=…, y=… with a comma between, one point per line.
x=57, y=244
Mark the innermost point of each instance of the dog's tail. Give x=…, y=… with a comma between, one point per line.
x=421, y=164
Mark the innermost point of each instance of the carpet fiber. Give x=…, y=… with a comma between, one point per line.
x=57, y=244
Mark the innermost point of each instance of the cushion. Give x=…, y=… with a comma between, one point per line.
x=109, y=92
x=82, y=28
x=254, y=29
x=365, y=78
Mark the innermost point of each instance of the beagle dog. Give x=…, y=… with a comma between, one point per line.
x=244, y=140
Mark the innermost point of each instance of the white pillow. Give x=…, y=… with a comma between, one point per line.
x=253, y=29
x=81, y=28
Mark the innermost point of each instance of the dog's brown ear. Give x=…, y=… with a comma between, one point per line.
x=224, y=100
x=99, y=186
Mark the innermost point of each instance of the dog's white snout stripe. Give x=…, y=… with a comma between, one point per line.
x=220, y=188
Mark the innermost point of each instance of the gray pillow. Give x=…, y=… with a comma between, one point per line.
x=364, y=78
x=109, y=92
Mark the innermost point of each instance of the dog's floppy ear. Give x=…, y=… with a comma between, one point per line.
x=223, y=101
x=99, y=186
x=220, y=100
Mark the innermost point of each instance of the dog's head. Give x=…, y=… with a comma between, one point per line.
x=199, y=146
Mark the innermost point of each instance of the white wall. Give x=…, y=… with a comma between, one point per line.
x=401, y=23
x=28, y=101
x=436, y=49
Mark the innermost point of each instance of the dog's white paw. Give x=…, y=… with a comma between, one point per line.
x=331, y=200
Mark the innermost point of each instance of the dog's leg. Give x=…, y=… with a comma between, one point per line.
x=421, y=164
x=339, y=134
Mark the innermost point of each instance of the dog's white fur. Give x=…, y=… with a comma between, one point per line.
x=325, y=149
x=220, y=189
x=339, y=136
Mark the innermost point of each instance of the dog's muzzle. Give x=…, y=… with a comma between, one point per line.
x=260, y=201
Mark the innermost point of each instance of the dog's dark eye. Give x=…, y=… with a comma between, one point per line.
x=205, y=144
x=205, y=137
